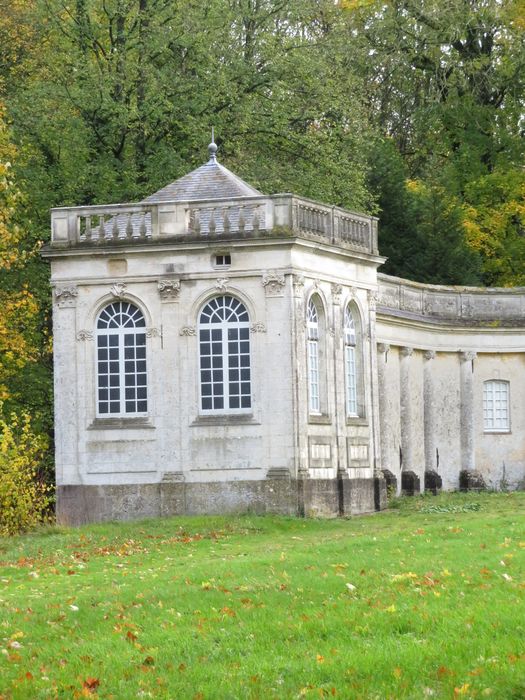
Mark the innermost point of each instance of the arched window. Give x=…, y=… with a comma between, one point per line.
x=224, y=349
x=121, y=361
x=350, y=341
x=312, y=329
x=496, y=416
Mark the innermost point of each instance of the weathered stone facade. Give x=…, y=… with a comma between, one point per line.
x=416, y=357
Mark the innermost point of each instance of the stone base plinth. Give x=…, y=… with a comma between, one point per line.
x=471, y=480
x=390, y=481
x=433, y=482
x=410, y=484
x=78, y=504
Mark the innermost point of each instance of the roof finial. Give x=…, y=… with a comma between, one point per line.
x=212, y=148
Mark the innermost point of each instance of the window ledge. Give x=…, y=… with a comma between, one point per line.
x=232, y=419
x=356, y=420
x=121, y=424
x=504, y=431
x=320, y=419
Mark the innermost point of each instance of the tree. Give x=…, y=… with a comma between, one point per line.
x=446, y=82
x=23, y=348
x=422, y=227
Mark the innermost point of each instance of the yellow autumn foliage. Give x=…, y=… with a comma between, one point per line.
x=24, y=498
x=494, y=225
x=18, y=307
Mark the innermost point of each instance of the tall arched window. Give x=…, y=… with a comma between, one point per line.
x=121, y=361
x=350, y=341
x=224, y=349
x=312, y=329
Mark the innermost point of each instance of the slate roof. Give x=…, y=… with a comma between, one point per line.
x=210, y=181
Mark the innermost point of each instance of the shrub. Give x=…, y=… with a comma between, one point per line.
x=25, y=498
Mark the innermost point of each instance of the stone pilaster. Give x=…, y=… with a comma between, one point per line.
x=375, y=437
x=66, y=349
x=339, y=408
x=407, y=428
x=382, y=354
x=429, y=411
x=468, y=460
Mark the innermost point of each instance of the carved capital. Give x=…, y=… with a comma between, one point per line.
x=118, y=290
x=258, y=327
x=188, y=330
x=273, y=284
x=406, y=351
x=373, y=297
x=383, y=348
x=153, y=333
x=84, y=335
x=429, y=354
x=337, y=290
x=169, y=289
x=298, y=282
x=222, y=284
x=468, y=356
x=67, y=295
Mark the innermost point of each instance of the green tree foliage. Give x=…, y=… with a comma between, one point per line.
x=125, y=100
x=445, y=81
x=24, y=350
x=422, y=233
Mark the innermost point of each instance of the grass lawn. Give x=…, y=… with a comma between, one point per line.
x=426, y=600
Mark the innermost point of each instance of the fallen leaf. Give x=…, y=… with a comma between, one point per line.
x=91, y=684
x=462, y=690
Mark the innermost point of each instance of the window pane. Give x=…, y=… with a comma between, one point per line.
x=122, y=373
x=496, y=405
x=223, y=321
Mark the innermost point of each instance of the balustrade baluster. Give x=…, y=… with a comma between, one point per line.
x=255, y=219
x=242, y=220
x=87, y=231
x=129, y=227
x=142, y=229
x=226, y=221
x=101, y=228
x=114, y=231
x=212, y=225
x=197, y=221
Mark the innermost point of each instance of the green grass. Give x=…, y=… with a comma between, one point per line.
x=261, y=607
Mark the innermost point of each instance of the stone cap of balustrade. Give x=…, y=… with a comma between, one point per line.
x=501, y=307
x=280, y=215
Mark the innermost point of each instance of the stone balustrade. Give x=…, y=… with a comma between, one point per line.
x=253, y=217
x=456, y=305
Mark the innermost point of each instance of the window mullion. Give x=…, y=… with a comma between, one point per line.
x=122, y=375
x=225, y=365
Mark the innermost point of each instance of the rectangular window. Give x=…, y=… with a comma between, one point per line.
x=496, y=416
x=224, y=260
